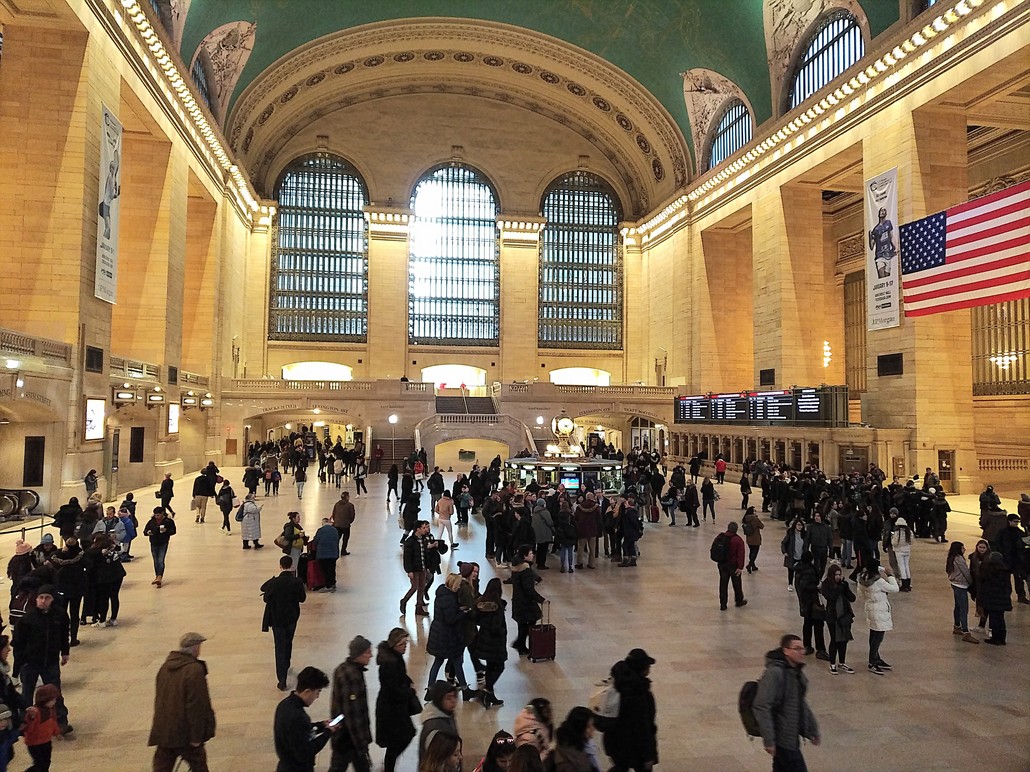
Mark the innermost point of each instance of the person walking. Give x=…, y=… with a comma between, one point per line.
x=41, y=648
x=961, y=580
x=446, y=640
x=690, y=504
x=343, y=518
x=780, y=707
x=300, y=477
x=326, y=542
x=901, y=546
x=391, y=483
x=166, y=493
x=875, y=583
x=631, y=738
x=160, y=529
x=444, y=510
x=360, y=473
x=792, y=545
x=415, y=566
x=995, y=596
x=250, y=528
x=297, y=739
x=525, y=600
x=203, y=489
x=745, y=490
x=397, y=701
x=731, y=566
x=225, y=499
x=1014, y=551
x=490, y=645
x=350, y=698
x=839, y=617
x=184, y=719
x=283, y=595
x=708, y=499
x=91, y=481
x=752, y=526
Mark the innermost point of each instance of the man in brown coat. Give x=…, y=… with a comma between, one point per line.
x=183, y=717
x=343, y=518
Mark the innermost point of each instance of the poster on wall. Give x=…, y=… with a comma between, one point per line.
x=108, y=206
x=93, y=428
x=883, y=273
x=173, y=419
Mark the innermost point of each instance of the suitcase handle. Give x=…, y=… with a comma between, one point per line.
x=546, y=612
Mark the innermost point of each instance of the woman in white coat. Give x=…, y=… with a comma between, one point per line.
x=901, y=543
x=250, y=524
x=875, y=583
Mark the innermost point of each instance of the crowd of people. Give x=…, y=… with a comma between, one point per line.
x=846, y=547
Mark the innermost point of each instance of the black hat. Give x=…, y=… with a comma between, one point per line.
x=638, y=659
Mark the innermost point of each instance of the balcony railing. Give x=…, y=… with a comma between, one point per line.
x=131, y=368
x=27, y=345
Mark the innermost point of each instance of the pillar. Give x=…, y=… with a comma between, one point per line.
x=520, y=277
x=388, y=292
x=721, y=347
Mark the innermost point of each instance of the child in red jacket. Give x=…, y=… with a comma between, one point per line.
x=40, y=727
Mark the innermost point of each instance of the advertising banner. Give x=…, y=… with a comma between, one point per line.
x=109, y=198
x=883, y=273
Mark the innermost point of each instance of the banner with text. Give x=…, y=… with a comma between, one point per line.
x=882, y=272
x=106, y=284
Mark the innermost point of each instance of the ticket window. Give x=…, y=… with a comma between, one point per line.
x=946, y=469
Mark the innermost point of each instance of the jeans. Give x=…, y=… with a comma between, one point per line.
x=726, y=575
x=359, y=486
x=847, y=552
x=904, y=571
x=565, y=554
x=708, y=504
x=875, y=639
x=789, y=760
x=961, y=607
x=48, y=674
x=752, y=553
x=158, y=552
x=282, y=639
x=300, y=488
x=457, y=664
x=165, y=758
x=344, y=757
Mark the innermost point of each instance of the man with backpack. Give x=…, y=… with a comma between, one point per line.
x=728, y=553
x=780, y=710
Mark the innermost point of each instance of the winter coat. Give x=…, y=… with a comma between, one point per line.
x=898, y=541
x=753, y=539
x=960, y=576
x=872, y=594
x=66, y=518
x=182, y=705
x=707, y=491
x=491, y=643
x=327, y=543
x=780, y=707
x=993, y=523
x=588, y=520
x=414, y=553
x=40, y=638
x=72, y=571
x=565, y=532
x=283, y=595
x=568, y=759
x=350, y=697
x=525, y=600
x=297, y=741
x=394, y=727
x=434, y=720
x=1010, y=545
x=806, y=582
x=113, y=527
x=631, y=739
x=818, y=538
x=530, y=730
x=995, y=592
x=445, y=631
x=543, y=524
x=250, y=527
x=792, y=545
x=839, y=614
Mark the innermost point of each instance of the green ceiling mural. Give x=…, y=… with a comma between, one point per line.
x=651, y=40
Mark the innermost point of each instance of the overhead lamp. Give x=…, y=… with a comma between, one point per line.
x=13, y=364
x=393, y=419
x=19, y=381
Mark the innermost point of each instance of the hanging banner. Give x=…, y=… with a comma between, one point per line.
x=109, y=198
x=882, y=271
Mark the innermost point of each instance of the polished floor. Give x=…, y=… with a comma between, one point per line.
x=946, y=706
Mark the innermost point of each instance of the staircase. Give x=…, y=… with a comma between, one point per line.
x=481, y=405
x=394, y=452
x=466, y=405
x=450, y=405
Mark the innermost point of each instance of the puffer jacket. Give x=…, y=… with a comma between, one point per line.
x=780, y=707
x=491, y=643
x=543, y=523
x=530, y=730
x=631, y=739
x=446, y=633
x=525, y=600
x=872, y=594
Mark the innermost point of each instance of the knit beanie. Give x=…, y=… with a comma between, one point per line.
x=358, y=646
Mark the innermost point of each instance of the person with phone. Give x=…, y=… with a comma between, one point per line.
x=297, y=739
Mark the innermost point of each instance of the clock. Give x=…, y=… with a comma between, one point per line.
x=565, y=425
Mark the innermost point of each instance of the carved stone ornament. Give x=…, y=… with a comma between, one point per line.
x=228, y=47
x=706, y=94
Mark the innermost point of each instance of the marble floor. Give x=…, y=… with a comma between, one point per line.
x=946, y=706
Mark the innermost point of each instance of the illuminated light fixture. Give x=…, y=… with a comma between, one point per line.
x=207, y=401
x=316, y=411
x=393, y=419
x=880, y=66
x=951, y=17
x=539, y=420
x=19, y=381
x=155, y=399
x=928, y=32
x=288, y=426
x=911, y=45
x=827, y=353
x=1003, y=361
x=13, y=364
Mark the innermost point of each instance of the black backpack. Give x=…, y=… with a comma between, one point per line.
x=746, y=704
x=720, y=551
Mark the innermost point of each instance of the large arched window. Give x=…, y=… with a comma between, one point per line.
x=836, y=44
x=580, y=265
x=454, y=266
x=731, y=133
x=198, y=74
x=319, y=282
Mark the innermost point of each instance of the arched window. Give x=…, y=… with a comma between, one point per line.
x=731, y=134
x=836, y=45
x=580, y=265
x=319, y=282
x=199, y=76
x=454, y=266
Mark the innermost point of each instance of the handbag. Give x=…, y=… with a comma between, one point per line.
x=282, y=542
x=236, y=501
x=817, y=611
x=157, y=494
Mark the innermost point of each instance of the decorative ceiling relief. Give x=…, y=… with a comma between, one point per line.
x=228, y=47
x=483, y=59
x=706, y=93
x=786, y=24
x=178, y=10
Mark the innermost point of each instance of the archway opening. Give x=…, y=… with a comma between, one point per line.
x=460, y=455
x=581, y=376
x=454, y=377
x=317, y=371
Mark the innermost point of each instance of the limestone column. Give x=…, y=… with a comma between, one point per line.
x=934, y=396
x=256, y=282
x=793, y=280
x=638, y=364
x=721, y=346
x=520, y=281
x=388, y=230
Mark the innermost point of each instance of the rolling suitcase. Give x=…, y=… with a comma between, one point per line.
x=313, y=575
x=542, y=638
x=652, y=514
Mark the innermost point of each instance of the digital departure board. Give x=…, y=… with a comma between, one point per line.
x=810, y=406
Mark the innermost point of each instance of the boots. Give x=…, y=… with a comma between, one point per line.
x=488, y=699
x=956, y=630
x=968, y=638
x=906, y=585
x=468, y=694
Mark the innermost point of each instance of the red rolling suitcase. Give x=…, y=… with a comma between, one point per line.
x=652, y=514
x=314, y=577
x=542, y=637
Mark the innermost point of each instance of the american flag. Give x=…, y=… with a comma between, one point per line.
x=970, y=255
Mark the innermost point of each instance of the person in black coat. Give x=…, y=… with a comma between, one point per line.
x=995, y=596
x=283, y=595
x=446, y=634
x=839, y=616
x=525, y=600
x=491, y=643
x=394, y=728
x=631, y=739
x=72, y=577
x=167, y=493
x=806, y=583
x=67, y=517
x=1014, y=553
x=297, y=739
